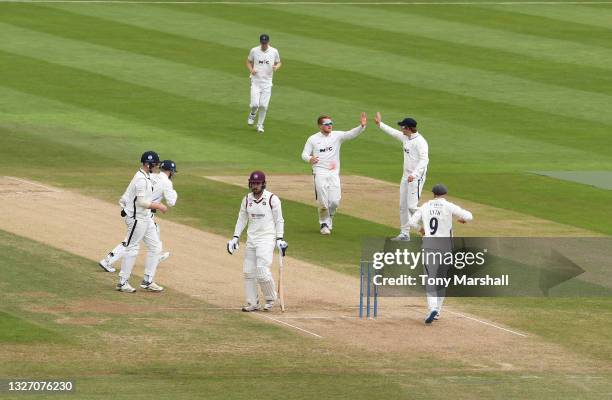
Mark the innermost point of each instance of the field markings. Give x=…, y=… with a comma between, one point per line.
x=48, y=188
x=290, y=325
x=319, y=3
x=487, y=323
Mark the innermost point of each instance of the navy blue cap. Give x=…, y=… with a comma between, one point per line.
x=149, y=157
x=439, y=190
x=409, y=122
x=264, y=38
x=168, y=165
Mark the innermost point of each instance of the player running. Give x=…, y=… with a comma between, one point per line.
x=261, y=211
x=262, y=62
x=434, y=220
x=416, y=159
x=322, y=151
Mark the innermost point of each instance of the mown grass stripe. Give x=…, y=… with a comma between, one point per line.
x=433, y=23
x=432, y=42
x=571, y=13
x=536, y=26
x=294, y=106
x=407, y=70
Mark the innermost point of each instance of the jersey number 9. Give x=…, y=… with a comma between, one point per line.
x=433, y=226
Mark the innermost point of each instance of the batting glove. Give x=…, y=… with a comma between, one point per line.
x=233, y=245
x=281, y=245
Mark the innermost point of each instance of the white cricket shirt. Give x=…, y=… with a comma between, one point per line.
x=327, y=148
x=416, y=151
x=263, y=61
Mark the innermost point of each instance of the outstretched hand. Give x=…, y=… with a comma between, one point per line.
x=378, y=118
x=364, y=119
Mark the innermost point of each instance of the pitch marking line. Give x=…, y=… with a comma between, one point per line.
x=48, y=188
x=487, y=323
x=319, y=3
x=290, y=325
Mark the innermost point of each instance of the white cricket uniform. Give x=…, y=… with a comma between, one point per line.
x=264, y=217
x=416, y=159
x=141, y=227
x=261, y=82
x=162, y=189
x=436, y=217
x=327, y=171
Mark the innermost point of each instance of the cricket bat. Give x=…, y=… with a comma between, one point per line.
x=281, y=289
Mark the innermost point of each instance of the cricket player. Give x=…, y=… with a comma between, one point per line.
x=162, y=189
x=140, y=226
x=322, y=151
x=261, y=211
x=262, y=62
x=416, y=159
x=434, y=220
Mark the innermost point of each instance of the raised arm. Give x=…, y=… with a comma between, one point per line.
x=387, y=129
x=353, y=133
x=394, y=133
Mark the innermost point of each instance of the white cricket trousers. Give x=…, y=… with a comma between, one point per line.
x=260, y=98
x=140, y=230
x=328, y=194
x=257, y=262
x=434, y=268
x=410, y=194
x=119, y=251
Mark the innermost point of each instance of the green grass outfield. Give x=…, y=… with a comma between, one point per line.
x=498, y=90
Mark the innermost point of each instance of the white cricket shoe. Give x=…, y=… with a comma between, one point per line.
x=325, y=229
x=125, y=288
x=106, y=266
x=250, y=307
x=164, y=256
x=402, y=237
x=251, y=119
x=151, y=287
x=269, y=305
x=260, y=129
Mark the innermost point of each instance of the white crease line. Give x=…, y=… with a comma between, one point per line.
x=318, y=3
x=487, y=323
x=33, y=183
x=288, y=324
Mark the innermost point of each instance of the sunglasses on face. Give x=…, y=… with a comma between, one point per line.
x=328, y=123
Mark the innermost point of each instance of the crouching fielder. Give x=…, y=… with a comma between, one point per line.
x=434, y=219
x=261, y=210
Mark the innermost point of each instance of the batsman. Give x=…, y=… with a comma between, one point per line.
x=261, y=211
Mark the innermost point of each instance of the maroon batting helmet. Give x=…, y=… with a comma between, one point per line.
x=257, y=177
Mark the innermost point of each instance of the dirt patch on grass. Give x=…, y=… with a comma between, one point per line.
x=81, y=320
x=95, y=306
x=320, y=301
x=378, y=201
